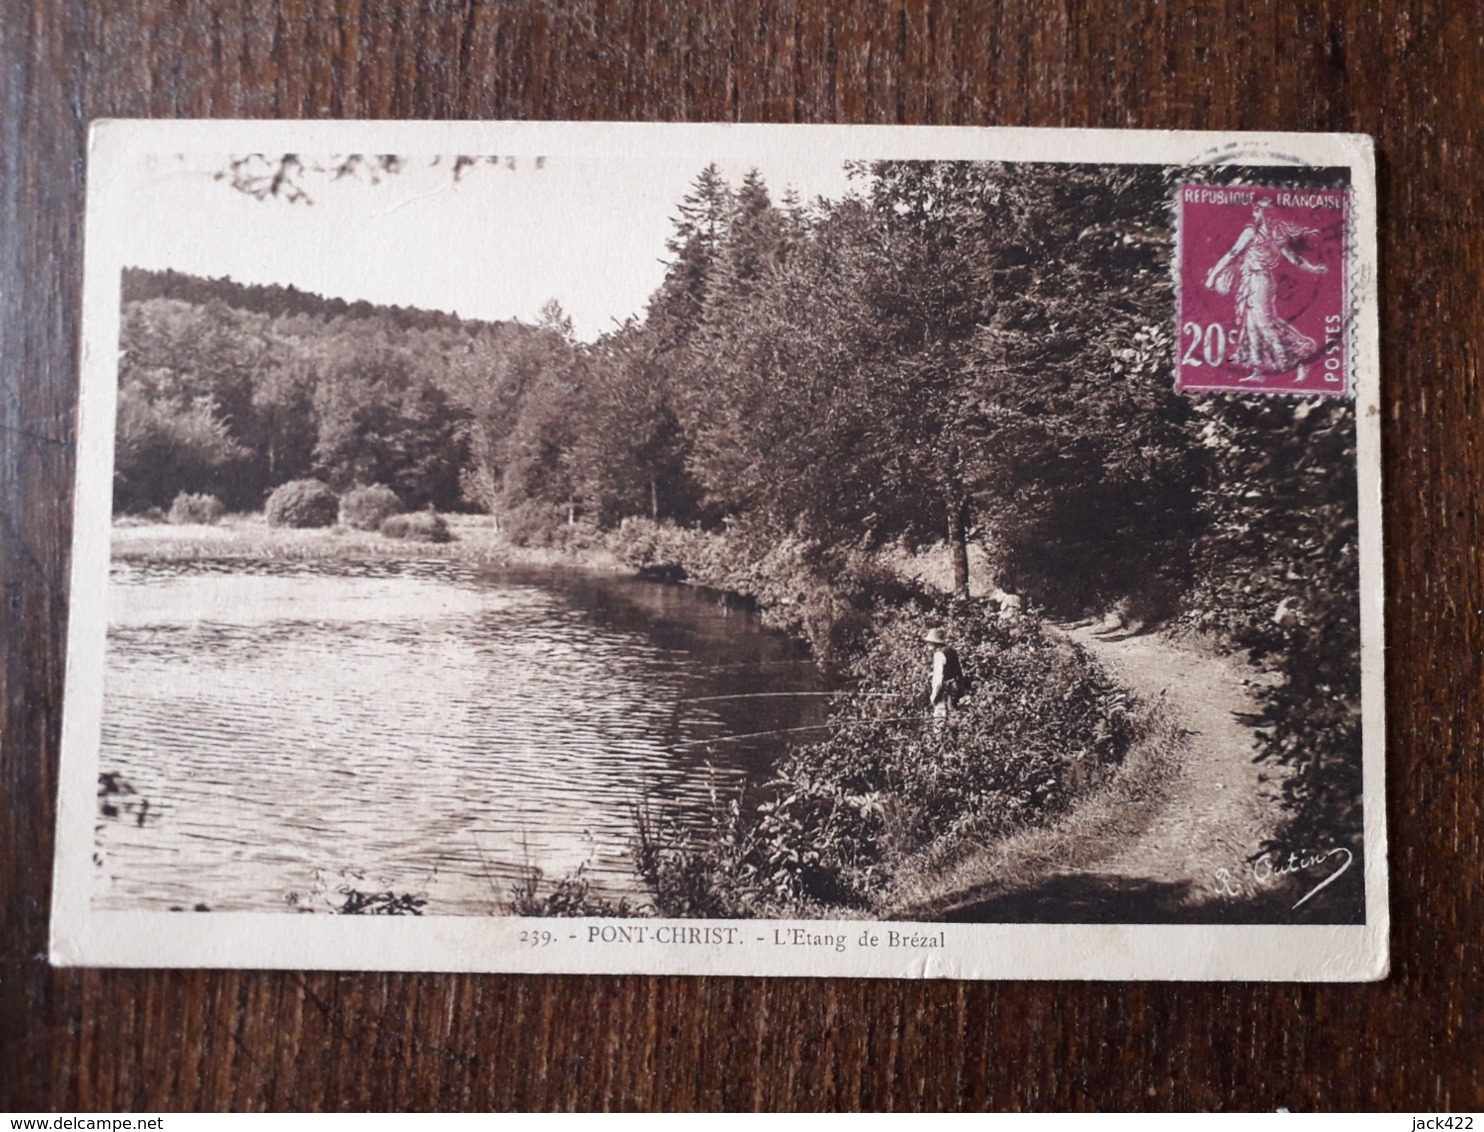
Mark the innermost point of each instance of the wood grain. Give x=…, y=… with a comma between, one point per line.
x=151, y=1040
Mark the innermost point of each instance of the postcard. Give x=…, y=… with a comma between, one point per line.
x=763, y=550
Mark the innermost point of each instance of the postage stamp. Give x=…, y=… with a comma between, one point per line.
x=726, y=550
x=1262, y=286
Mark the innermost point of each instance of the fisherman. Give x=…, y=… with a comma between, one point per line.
x=949, y=682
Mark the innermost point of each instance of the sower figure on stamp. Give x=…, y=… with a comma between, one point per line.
x=1266, y=341
x=949, y=683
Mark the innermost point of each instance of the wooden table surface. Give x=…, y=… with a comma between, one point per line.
x=1409, y=74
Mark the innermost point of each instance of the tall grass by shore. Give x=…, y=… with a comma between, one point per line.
x=475, y=539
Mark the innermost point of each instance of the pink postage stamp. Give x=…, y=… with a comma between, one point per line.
x=1261, y=283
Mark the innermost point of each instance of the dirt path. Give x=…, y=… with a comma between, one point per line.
x=1159, y=864
x=1222, y=805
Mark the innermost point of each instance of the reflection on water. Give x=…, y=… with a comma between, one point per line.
x=417, y=727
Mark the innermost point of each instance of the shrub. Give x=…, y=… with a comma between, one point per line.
x=366, y=508
x=573, y=895
x=661, y=550
x=358, y=903
x=1279, y=575
x=830, y=598
x=302, y=503
x=189, y=508
x=418, y=526
x=545, y=526
x=840, y=815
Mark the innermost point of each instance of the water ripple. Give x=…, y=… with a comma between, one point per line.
x=300, y=728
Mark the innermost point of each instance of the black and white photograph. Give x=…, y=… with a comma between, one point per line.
x=759, y=550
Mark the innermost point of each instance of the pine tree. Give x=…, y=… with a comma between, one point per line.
x=676, y=310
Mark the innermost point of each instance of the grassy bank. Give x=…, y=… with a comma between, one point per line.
x=980, y=864
x=859, y=823
x=249, y=537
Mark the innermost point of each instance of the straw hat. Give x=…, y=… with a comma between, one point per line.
x=935, y=637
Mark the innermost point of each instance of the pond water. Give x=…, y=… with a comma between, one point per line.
x=277, y=735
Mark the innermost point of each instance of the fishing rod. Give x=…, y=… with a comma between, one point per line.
x=770, y=695
x=808, y=727
x=745, y=664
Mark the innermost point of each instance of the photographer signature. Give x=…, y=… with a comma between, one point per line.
x=1269, y=868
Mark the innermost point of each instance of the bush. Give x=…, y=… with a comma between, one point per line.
x=358, y=903
x=545, y=526
x=189, y=508
x=829, y=597
x=1279, y=575
x=366, y=508
x=1042, y=727
x=661, y=550
x=571, y=896
x=418, y=526
x=302, y=503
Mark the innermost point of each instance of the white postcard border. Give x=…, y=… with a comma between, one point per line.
x=82, y=935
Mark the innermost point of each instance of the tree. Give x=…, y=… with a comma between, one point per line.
x=676, y=310
x=199, y=363
x=383, y=419
x=283, y=402
x=165, y=446
x=1052, y=295
x=630, y=449
x=290, y=176
x=802, y=403
x=516, y=385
